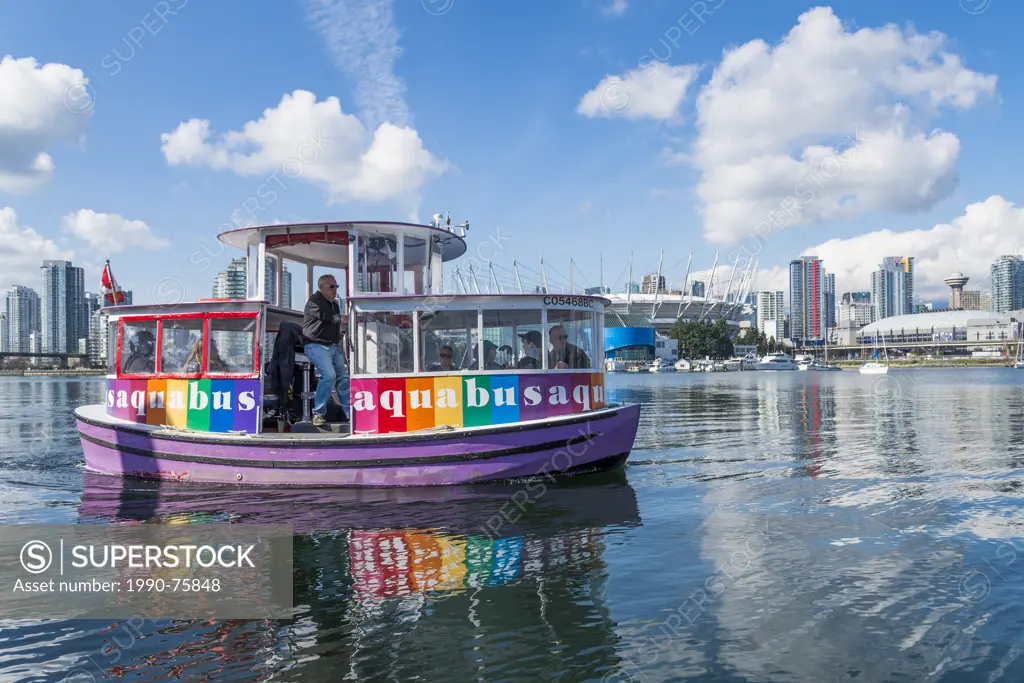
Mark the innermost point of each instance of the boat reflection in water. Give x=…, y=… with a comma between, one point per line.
x=398, y=583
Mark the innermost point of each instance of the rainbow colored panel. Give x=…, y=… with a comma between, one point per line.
x=404, y=404
x=220, y=405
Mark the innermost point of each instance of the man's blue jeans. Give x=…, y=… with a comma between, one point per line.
x=330, y=365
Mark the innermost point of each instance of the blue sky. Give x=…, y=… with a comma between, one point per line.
x=494, y=91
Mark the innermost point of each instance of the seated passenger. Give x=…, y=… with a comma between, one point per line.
x=215, y=363
x=531, y=359
x=142, y=358
x=490, y=355
x=444, y=362
x=194, y=363
x=563, y=355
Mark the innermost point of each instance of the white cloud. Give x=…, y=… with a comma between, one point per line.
x=819, y=86
x=655, y=92
x=586, y=206
x=363, y=41
x=316, y=141
x=970, y=243
x=22, y=251
x=40, y=106
x=616, y=8
x=110, y=233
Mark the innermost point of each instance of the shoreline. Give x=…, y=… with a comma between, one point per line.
x=980, y=363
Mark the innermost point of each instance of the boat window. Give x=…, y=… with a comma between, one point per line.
x=570, y=340
x=232, y=346
x=181, y=346
x=112, y=347
x=252, y=271
x=436, y=266
x=384, y=343
x=138, y=348
x=270, y=276
x=444, y=331
x=514, y=338
x=377, y=256
x=415, y=264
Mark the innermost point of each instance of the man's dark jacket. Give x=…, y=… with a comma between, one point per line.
x=280, y=369
x=318, y=324
x=574, y=357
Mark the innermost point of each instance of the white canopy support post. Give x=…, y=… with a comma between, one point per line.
x=519, y=282
x=686, y=279
x=278, y=283
x=709, y=290
x=472, y=276
x=658, y=292
x=732, y=276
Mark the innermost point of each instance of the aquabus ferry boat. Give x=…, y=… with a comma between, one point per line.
x=445, y=388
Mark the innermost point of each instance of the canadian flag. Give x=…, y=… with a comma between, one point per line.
x=111, y=292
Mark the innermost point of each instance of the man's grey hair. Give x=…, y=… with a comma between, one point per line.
x=324, y=278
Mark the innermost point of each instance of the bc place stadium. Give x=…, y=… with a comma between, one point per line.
x=642, y=310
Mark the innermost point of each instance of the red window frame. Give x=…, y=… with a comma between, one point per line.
x=255, y=351
x=203, y=373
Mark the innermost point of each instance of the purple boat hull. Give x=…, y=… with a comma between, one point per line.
x=591, y=441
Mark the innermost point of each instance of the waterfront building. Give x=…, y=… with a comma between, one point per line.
x=652, y=283
x=22, y=309
x=830, y=299
x=940, y=326
x=698, y=288
x=771, y=311
x=856, y=298
x=857, y=313
x=597, y=291
x=231, y=283
x=892, y=287
x=806, y=299
x=98, y=339
x=1007, y=283
x=64, y=321
x=976, y=300
x=4, y=331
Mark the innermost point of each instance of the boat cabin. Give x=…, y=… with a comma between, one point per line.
x=419, y=358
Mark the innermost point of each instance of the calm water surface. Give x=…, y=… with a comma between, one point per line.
x=768, y=527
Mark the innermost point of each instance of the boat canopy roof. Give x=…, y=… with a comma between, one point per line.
x=326, y=244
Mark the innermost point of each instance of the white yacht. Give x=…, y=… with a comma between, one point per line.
x=821, y=366
x=661, y=365
x=777, y=361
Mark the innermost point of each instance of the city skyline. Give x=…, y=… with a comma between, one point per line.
x=64, y=319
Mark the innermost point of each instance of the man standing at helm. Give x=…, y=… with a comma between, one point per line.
x=321, y=328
